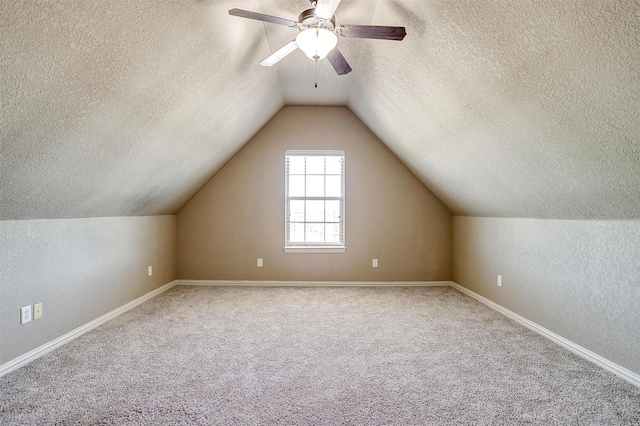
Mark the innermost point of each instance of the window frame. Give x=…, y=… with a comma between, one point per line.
x=314, y=247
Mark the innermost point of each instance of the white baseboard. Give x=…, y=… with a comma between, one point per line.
x=585, y=353
x=612, y=367
x=48, y=347
x=316, y=283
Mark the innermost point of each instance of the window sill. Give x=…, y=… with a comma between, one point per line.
x=319, y=249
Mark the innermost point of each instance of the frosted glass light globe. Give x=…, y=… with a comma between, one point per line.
x=316, y=43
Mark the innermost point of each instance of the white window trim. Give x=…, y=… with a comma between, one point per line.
x=317, y=247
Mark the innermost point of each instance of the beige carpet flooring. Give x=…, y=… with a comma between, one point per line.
x=314, y=356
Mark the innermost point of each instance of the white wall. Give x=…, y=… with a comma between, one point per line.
x=579, y=279
x=79, y=269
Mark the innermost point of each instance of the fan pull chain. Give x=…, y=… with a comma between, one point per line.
x=315, y=75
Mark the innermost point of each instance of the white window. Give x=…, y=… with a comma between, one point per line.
x=314, y=211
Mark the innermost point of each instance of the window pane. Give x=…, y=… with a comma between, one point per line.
x=296, y=186
x=296, y=232
x=315, y=165
x=334, y=186
x=313, y=179
x=332, y=211
x=296, y=210
x=315, y=211
x=334, y=165
x=332, y=233
x=296, y=165
x=315, y=232
x=315, y=186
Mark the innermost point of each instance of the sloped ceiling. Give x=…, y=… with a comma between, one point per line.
x=502, y=108
x=512, y=108
x=118, y=108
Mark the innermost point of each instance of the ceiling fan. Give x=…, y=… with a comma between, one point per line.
x=318, y=33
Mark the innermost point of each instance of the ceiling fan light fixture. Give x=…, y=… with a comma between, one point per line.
x=316, y=42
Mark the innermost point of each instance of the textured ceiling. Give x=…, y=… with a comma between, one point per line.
x=502, y=108
x=116, y=108
x=512, y=108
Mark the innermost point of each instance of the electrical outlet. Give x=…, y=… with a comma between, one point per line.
x=374, y=263
x=37, y=311
x=149, y=271
x=499, y=281
x=25, y=314
x=260, y=262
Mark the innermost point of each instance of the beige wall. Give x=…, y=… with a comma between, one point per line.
x=239, y=215
x=579, y=279
x=79, y=269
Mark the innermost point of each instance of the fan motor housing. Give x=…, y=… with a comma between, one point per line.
x=308, y=19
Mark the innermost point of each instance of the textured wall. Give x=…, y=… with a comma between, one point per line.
x=79, y=269
x=239, y=215
x=579, y=279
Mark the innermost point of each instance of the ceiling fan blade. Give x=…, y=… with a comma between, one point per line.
x=338, y=62
x=326, y=8
x=372, y=31
x=279, y=54
x=262, y=17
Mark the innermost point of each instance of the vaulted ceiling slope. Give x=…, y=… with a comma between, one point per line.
x=512, y=108
x=502, y=108
x=118, y=108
